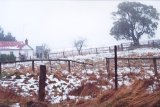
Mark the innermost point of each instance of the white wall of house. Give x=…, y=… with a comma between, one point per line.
x=28, y=53
x=26, y=50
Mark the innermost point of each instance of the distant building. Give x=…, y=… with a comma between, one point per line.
x=42, y=52
x=39, y=51
x=18, y=48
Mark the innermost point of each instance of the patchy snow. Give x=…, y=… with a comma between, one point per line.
x=29, y=86
x=139, y=51
x=59, y=83
x=15, y=105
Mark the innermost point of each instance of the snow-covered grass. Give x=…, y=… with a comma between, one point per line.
x=62, y=85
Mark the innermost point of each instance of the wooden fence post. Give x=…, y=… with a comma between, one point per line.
x=96, y=51
x=48, y=56
x=121, y=46
x=115, y=61
x=69, y=66
x=63, y=55
x=42, y=79
x=153, y=43
x=33, y=65
x=155, y=66
x=72, y=54
x=109, y=49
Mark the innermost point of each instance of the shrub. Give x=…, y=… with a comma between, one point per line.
x=5, y=57
x=22, y=57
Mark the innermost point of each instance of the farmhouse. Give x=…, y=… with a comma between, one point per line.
x=18, y=48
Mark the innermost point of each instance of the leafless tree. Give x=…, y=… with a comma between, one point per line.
x=46, y=50
x=79, y=44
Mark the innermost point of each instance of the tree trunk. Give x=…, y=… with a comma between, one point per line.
x=136, y=42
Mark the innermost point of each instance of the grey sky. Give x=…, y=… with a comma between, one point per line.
x=58, y=23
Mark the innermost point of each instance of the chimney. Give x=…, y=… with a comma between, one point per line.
x=26, y=41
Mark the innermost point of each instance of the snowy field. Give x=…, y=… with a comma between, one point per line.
x=83, y=82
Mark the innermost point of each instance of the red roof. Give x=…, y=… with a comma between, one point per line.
x=11, y=44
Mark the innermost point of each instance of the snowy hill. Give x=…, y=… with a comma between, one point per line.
x=83, y=82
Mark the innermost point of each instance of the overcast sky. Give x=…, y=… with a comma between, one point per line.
x=59, y=23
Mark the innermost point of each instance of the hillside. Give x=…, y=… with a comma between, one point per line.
x=87, y=85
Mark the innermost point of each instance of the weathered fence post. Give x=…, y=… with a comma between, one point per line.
x=155, y=66
x=0, y=69
x=63, y=55
x=109, y=49
x=69, y=66
x=96, y=51
x=42, y=79
x=48, y=56
x=153, y=43
x=121, y=46
x=32, y=65
x=117, y=47
x=115, y=61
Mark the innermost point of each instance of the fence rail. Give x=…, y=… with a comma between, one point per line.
x=110, y=62
x=40, y=60
x=107, y=67
x=153, y=60
x=121, y=47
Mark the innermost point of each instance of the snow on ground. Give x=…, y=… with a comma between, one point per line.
x=27, y=85
x=139, y=51
x=58, y=85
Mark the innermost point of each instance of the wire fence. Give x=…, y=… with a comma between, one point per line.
x=122, y=47
x=114, y=67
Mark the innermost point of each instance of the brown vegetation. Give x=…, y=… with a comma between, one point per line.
x=144, y=90
x=135, y=95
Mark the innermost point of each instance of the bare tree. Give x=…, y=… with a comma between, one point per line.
x=46, y=50
x=79, y=44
